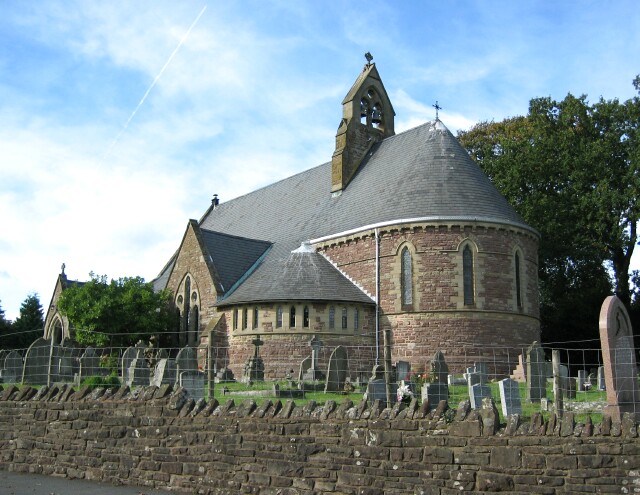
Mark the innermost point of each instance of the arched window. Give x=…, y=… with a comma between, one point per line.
x=344, y=318
x=235, y=318
x=255, y=317
x=279, y=317
x=245, y=318
x=305, y=317
x=356, y=319
x=518, y=282
x=467, y=275
x=406, y=278
x=332, y=317
x=186, y=310
x=292, y=317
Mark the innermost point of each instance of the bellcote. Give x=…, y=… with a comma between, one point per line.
x=367, y=118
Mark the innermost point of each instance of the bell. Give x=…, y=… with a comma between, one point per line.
x=376, y=118
x=364, y=108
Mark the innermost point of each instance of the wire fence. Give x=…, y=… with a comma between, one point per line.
x=258, y=366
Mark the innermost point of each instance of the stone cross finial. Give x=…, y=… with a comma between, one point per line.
x=369, y=57
x=62, y=268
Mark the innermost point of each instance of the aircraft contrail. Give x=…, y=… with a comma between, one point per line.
x=155, y=80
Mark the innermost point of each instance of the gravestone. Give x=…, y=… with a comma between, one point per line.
x=618, y=359
x=337, y=371
x=438, y=389
x=164, y=373
x=536, y=373
x=582, y=380
x=478, y=392
x=128, y=356
x=12, y=368
x=601, y=384
x=67, y=363
x=90, y=364
x=480, y=368
x=3, y=355
x=193, y=383
x=473, y=378
x=187, y=360
x=403, y=368
x=456, y=380
x=36, y=363
x=510, y=397
x=254, y=367
x=139, y=374
x=377, y=389
x=305, y=364
x=313, y=373
x=439, y=368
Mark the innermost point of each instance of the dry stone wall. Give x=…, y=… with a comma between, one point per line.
x=162, y=438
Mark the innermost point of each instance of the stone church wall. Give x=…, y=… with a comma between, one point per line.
x=158, y=439
x=493, y=327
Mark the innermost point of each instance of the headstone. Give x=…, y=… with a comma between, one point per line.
x=90, y=364
x=337, y=371
x=3, y=355
x=434, y=393
x=193, y=383
x=128, y=356
x=601, y=384
x=36, y=363
x=582, y=380
x=480, y=368
x=187, y=360
x=536, y=373
x=376, y=390
x=618, y=359
x=510, y=397
x=12, y=368
x=313, y=373
x=67, y=363
x=456, y=380
x=403, y=368
x=139, y=374
x=439, y=368
x=164, y=373
x=473, y=378
x=305, y=364
x=224, y=375
x=254, y=367
x=478, y=392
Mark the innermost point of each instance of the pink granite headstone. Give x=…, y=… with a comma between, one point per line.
x=619, y=360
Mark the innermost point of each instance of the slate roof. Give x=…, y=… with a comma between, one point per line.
x=232, y=255
x=422, y=174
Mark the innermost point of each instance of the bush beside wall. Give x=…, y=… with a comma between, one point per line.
x=162, y=438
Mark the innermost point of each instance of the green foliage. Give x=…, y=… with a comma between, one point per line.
x=572, y=170
x=28, y=326
x=101, y=381
x=116, y=313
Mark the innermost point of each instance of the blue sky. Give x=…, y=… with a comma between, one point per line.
x=116, y=126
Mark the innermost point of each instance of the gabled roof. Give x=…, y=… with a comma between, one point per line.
x=232, y=255
x=302, y=275
x=422, y=174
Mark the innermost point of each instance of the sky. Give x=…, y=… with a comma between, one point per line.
x=120, y=120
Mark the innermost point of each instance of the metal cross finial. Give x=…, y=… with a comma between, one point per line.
x=369, y=57
x=62, y=268
x=437, y=107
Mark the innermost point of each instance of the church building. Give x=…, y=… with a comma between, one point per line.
x=397, y=233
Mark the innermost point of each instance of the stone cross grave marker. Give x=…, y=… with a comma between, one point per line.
x=618, y=359
x=254, y=367
x=313, y=373
x=438, y=389
x=337, y=370
x=536, y=373
x=510, y=397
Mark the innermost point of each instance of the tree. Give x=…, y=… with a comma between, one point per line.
x=29, y=324
x=5, y=330
x=571, y=169
x=115, y=313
